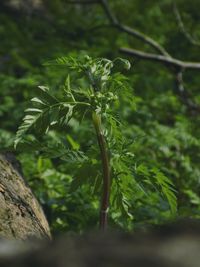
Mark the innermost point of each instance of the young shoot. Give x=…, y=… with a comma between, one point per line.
x=92, y=96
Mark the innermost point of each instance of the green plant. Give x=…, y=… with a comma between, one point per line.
x=94, y=95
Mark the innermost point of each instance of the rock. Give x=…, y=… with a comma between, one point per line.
x=174, y=245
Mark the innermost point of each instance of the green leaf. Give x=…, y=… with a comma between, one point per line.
x=126, y=64
x=37, y=100
x=167, y=188
x=33, y=110
x=28, y=122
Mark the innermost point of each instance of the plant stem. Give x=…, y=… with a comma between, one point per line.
x=106, y=171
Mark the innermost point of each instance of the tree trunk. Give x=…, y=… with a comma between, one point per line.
x=21, y=216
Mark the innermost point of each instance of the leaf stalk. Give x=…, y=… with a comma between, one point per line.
x=103, y=218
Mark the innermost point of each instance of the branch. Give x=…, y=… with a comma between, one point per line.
x=184, y=95
x=182, y=27
x=169, y=61
x=163, y=57
x=133, y=32
x=110, y=15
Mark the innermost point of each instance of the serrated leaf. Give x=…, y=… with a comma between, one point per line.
x=37, y=100
x=44, y=88
x=33, y=110
x=28, y=123
x=167, y=188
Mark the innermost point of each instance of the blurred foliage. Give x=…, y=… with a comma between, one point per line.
x=166, y=135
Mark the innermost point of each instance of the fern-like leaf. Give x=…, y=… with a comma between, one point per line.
x=46, y=112
x=28, y=122
x=156, y=179
x=167, y=188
